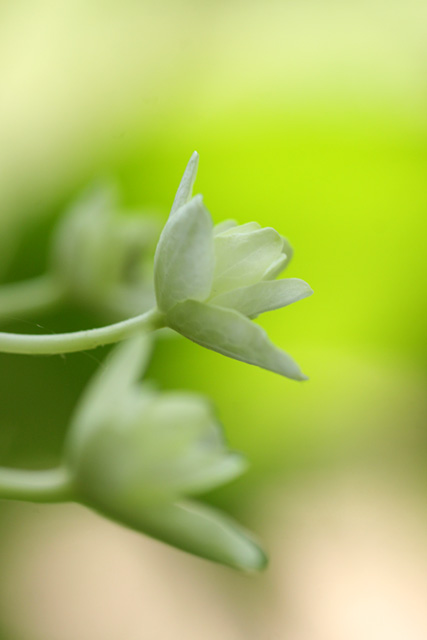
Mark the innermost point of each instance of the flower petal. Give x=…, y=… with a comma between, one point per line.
x=242, y=259
x=194, y=528
x=228, y=332
x=109, y=387
x=223, y=226
x=242, y=228
x=184, y=260
x=281, y=263
x=193, y=472
x=264, y=296
x=175, y=445
x=185, y=188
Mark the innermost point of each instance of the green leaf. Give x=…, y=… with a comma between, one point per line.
x=197, y=529
x=242, y=259
x=184, y=260
x=228, y=332
x=264, y=296
x=185, y=188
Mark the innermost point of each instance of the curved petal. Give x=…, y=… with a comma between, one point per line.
x=123, y=367
x=193, y=472
x=281, y=263
x=185, y=188
x=241, y=228
x=184, y=260
x=194, y=528
x=223, y=226
x=264, y=296
x=228, y=332
x=242, y=259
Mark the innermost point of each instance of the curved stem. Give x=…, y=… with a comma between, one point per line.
x=53, y=485
x=80, y=340
x=30, y=296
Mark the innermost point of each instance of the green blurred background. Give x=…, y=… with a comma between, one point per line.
x=310, y=117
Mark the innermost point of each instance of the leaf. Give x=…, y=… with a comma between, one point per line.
x=264, y=296
x=184, y=260
x=228, y=332
x=185, y=188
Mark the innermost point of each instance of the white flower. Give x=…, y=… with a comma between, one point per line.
x=211, y=281
x=135, y=455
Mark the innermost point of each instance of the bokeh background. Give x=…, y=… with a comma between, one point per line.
x=309, y=116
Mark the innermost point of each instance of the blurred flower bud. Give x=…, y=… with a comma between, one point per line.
x=136, y=454
x=104, y=258
x=210, y=281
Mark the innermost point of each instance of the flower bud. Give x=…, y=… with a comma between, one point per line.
x=102, y=257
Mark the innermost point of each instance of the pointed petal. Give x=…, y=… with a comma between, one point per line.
x=194, y=528
x=228, y=332
x=184, y=260
x=264, y=296
x=185, y=188
x=242, y=259
x=123, y=367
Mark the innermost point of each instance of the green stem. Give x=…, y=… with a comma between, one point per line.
x=80, y=340
x=30, y=296
x=53, y=485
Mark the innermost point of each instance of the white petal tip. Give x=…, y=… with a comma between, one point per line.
x=258, y=561
x=292, y=375
x=193, y=163
x=305, y=287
